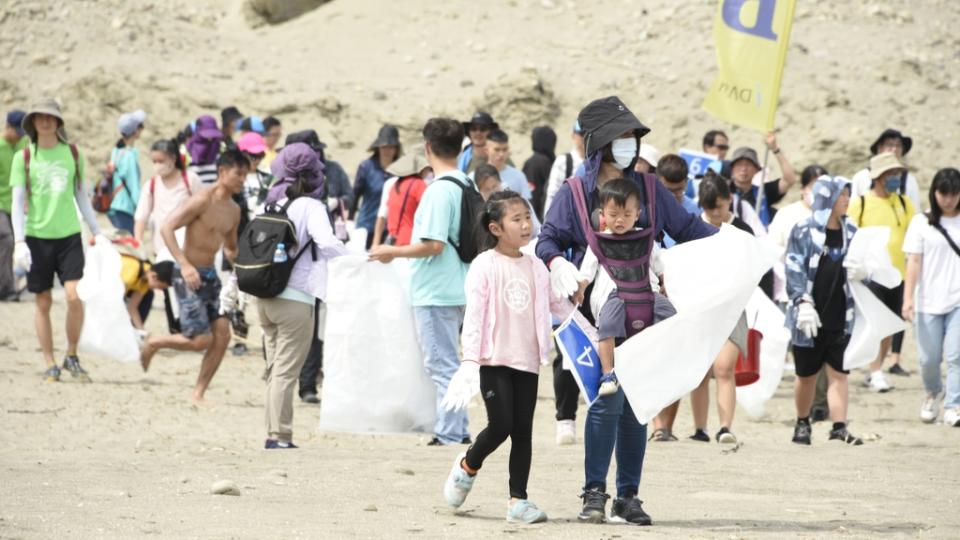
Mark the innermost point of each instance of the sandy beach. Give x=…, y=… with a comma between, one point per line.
x=128, y=457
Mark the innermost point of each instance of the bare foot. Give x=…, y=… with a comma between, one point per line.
x=197, y=397
x=146, y=355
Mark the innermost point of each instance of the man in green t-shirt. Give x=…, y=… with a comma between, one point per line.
x=47, y=177
x=12, y=142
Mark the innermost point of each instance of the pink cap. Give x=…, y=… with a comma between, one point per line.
x=252, y=143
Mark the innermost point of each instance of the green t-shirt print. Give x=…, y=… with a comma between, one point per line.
x=51, y=212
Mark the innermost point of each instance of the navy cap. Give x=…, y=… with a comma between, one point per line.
x=15, y=120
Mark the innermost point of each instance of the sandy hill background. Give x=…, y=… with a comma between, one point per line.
x=854, y=68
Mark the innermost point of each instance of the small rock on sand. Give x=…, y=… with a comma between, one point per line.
x=224, y=487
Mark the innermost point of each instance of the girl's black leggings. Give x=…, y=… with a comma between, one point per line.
x=510, y=397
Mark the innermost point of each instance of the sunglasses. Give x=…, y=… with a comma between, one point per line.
x=255, y=156
x=722, y=146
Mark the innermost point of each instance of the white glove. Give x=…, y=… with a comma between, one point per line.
x=855, y=271
x=21, y=257
x=564, y=277
x=229, y=294
x=463, y=386
x=333, y=203
x=808, y=321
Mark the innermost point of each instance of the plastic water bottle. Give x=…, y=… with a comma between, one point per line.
x=280, y=255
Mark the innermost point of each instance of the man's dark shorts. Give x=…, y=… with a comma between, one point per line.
x=828, y=348
x=60, y=256
x=199, y=308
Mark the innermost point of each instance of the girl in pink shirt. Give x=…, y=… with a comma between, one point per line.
x=506, y=337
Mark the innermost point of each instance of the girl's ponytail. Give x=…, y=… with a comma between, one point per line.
x=493, y=212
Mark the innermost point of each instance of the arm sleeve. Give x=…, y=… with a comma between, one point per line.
x=556, y=234
x=359, y=184
x=133, y=178
x=795, y=266
x=318, y=227
x=476, y=289
x=18, y=216
x=86, y=210
x=681, y=225
x=385, y=197
x=525, y=191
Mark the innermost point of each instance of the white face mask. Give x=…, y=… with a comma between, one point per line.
x=162, y=169
x=624, y=151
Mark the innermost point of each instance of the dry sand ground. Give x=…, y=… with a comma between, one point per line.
x=127, y=457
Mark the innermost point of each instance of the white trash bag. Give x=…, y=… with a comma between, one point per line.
x=374, y=379
x=107, y=330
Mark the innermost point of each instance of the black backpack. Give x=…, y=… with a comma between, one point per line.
x=257, y=274
x=471, y=205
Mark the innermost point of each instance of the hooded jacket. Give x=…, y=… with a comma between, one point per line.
x=295, y=161
x=807, y=244
x=537, y=168
x=603, y=121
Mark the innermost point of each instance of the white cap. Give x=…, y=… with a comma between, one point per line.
x=129, y=122
x=649, y=154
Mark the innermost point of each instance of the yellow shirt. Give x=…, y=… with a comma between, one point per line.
x=130, y=273
x=889, y=212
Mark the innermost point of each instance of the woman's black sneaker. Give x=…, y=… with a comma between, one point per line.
x=841, y=434
x=594, y=506
x=630, y=510
x=700, y=435
x=801, y=432
x=897, y=370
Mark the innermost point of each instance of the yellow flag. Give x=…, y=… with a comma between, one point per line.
x=752, y=38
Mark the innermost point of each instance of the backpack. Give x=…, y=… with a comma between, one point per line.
x=257, y=274
x=471, y=206
x=103, y=192
x=76, y=168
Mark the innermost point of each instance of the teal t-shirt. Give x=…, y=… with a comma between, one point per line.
x=439, y=280
x=6, y=161
x=126, y=162
x=54, y=175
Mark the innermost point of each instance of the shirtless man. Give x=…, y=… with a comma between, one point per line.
x=211, y=218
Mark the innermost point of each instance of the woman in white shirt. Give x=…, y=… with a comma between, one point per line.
x=933, y=290
x=287, y=319
x=168, y=188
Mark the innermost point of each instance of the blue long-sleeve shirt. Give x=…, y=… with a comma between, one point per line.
x=368, y=186
x=562, y=231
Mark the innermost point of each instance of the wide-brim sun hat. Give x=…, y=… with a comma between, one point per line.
x=746, y=153
x=891, y=133
x=881, y=163
x=410, y=164
x=604, y=120
x=387, y=136
x=481, y=119
x=48, y=106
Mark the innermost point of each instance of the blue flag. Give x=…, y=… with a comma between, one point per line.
x=580, y=357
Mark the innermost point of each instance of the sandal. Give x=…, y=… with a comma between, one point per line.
x=662, y=435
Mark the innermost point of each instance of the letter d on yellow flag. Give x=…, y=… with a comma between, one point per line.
x=752, y=38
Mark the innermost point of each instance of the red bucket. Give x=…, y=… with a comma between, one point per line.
x=748, y=369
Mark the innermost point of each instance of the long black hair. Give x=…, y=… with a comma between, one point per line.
x=493, y=212
x=171, y=148
x=947, y=182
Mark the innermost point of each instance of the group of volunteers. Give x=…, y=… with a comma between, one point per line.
x=498, y=254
